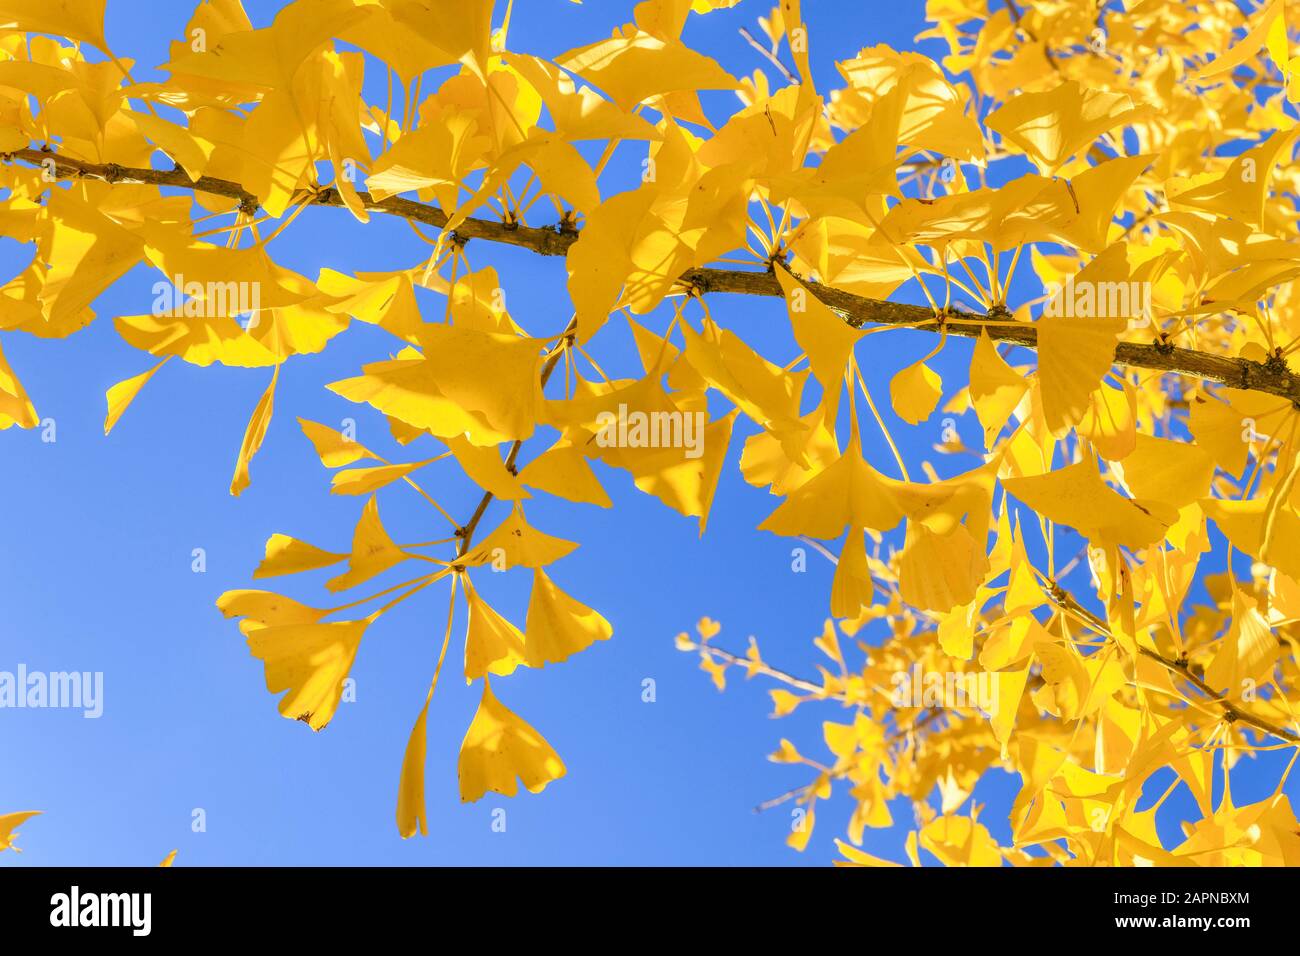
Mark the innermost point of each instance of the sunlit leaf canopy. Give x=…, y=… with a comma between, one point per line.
x=1072, y=563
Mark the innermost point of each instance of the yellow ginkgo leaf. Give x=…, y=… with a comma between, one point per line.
x=1241, y=192
x=1009, y=687
x=852, y=586
x=463, y=32
x=492, y=644
x=1243, y=523
x=765, y=392
x=486, y=469
x=848, y=492
x=481, y=383
x=364, y=481
x=1084, y=217
x=187, y=150
x=716, y=669
x=685, y=479
x=1009, y=646
x=938, y=572
x=783, y=702
x=1175, y=473
x=934, y=114
x=1077, y=497
x=915, y=392
x=373, y=551
x=10, y=822
x=765, y=461
x=404, y=389
x=1053, y=126
x=516, y=544
x=557, y=626
x=15, y=407
x=334, y=448
x=1267, y=32
x=956, y=635
x=802, y=830
x=225, y=281
x=199, y=340
x=412, y=816
x=960, y=841
x=562, y=470
x=855, y=857
x=271, y=56
x=1221, y=431
x=121, y=395
x=1110, y=422
x=1077, y=334
x=254, y=435
x=74, y=19
x=786, y=753
x=708, y=628
x=431, y=159
x=286, y=555
x=995, y=388
x=1248, y=653
x=865, y=162
x=385, y=299
x=599, y=263
x=796, y=32
x=311, y=662
x=826, y=338
x=87, y=253
x=1066, y=683
x=491, y=374
x=409, y=53
x=267, y=608
x=578, y=113
x=634, y=65
x=559, y=167
x=500, y=747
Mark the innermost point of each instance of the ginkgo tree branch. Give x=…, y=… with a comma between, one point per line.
x=1232, y=713
x=759, y=667
x=897, y=734
x=769, y=55
x=466, y=532
x=1272, y=377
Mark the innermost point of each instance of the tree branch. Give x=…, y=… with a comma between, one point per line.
x=769, y=55
x=1273, y=377
x=466, y=533
x=897, y=734
x=1232, y=713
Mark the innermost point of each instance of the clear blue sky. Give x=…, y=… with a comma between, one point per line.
x=95, y=575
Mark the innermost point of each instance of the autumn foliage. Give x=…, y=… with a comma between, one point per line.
x=1097, y=591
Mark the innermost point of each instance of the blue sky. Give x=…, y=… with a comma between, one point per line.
x=95, y=575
